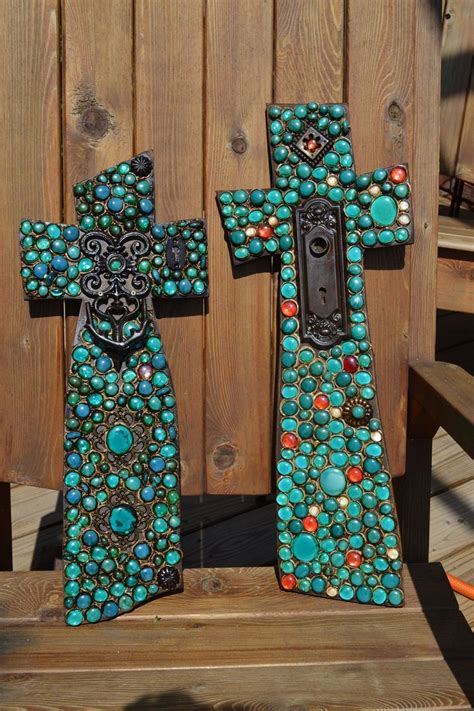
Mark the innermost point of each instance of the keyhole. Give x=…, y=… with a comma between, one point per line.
x=322, y=294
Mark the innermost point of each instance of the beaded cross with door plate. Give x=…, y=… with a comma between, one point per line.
x=337, y=525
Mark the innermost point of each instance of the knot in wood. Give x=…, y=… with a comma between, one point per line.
x=395, y=112
x=224, y=456
x=212, y=585
x=239, y=143
x=95, y=122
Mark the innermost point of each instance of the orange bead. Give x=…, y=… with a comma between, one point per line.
x=289, y=308
x=310, y=524
x=288, y=582
x=398, y=174
x=354, y=474
x=265, y=231
x=289, y=440
x=311, y=145
x=321, y=402
x=353, y=558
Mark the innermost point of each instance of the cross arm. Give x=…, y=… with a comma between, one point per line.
x=178, y=264
x=381, y=209
x=51, y=264
x=257, y=223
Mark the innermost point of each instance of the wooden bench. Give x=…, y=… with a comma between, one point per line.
x=455, y=288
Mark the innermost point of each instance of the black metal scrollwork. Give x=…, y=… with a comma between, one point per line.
x=116, y=314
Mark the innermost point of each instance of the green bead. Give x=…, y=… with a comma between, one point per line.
x=119, y=439
x=384, y=210
x=123, y=520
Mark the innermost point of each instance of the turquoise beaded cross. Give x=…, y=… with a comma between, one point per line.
x=121, y=475
x=337, y=526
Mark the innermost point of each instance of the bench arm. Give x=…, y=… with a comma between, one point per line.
x=441, y=395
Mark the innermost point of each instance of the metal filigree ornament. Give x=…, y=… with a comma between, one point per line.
x=116, y=316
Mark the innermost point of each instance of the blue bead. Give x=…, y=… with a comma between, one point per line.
x=147, y=493
x=142, y=550
x=91, y=568
x=71, y=233
x=146, y=206
x=158, y=231
x=147, y=574
x=40, y=270
x=74, y=460
x=103, y=364
x=73, y=496
x=115, y=204
x=90, y=538
x=59, y=264
x=184, y=286
x=102, y=192
x=145, y=387
x=83, y=601
x=158, y=361
x=82, y=410
x=157, y=464
x=111, y=609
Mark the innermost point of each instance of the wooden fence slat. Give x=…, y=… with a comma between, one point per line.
x=309, y=51
x=98, y=98
x=465, y=162
x=169, y=119
x=457, y=49
x=31, y=356
x=239, y=331
x=379, y=75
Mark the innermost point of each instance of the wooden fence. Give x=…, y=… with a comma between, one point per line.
x=87, y=83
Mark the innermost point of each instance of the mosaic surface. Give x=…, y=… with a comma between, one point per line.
x=337, y=525
x=122, y=470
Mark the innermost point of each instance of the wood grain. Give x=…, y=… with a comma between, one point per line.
x=461, y=564
x=381, y=112
x=309, y=51
x=98, y=111
x=36, y=597
x=465, y=162
x=451, y=465
x=276, y=641
x=452, y=520
x=169, y=116
x=424, y=174
x=456, y=53
x=455, y=284
x=31, y=357
x=384, y=684
x=239, y=329
x=456, y=233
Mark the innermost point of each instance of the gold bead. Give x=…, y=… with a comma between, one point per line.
x=332, y=592
x=332, y=181
x=336, y=412
x=403, y=205
x=314, y=510
x=250, y=232
x=273, y=221
x=392, y=553
x=403, y=220
x=343, y=501
x=376, y=436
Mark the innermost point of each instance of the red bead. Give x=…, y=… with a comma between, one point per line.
x=265, y=231
x=310, y=524
x=289, y=308
x=321, y=402
x=311, y=145
x=289, y=440
x=398, y=174
x=288, y=582
x=350, y=364
x=353, y=558
x=354, y=474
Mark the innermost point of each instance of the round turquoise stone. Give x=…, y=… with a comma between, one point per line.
x=119, y=439
x=305, y=547
x=333, y=481
x=123, y=520
x=384, y=210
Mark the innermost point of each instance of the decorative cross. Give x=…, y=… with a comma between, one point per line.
x=121, y=476
x=337, y=525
